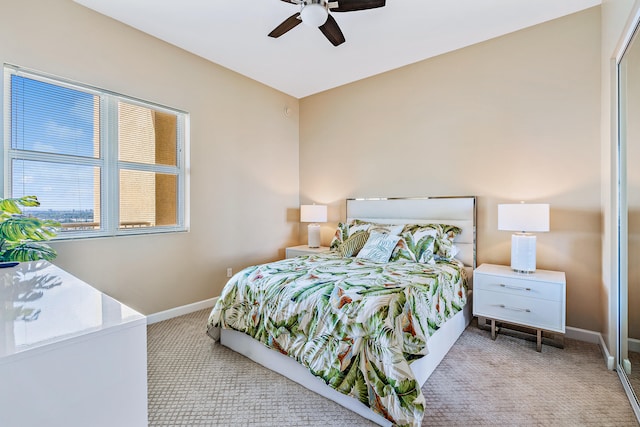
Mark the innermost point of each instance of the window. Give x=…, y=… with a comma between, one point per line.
x=100, y=163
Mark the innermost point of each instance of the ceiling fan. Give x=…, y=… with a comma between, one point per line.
x=315, y=13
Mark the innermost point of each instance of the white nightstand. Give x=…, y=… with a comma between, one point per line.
x=535, y=300
x=295, y=251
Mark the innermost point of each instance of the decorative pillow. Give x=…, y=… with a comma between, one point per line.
x=346, y=230
x=341, y=234
x=353, y=244
x=417, y=245
x=381, y=228
x=379, y=247
x=445, y=249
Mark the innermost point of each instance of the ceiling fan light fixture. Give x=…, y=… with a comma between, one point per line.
x=314, y=14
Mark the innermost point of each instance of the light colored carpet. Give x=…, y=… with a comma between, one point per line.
x=196, y=382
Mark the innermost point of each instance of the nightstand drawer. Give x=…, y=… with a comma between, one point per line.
x=304, y=250
x=532, y=312
x=519, y=287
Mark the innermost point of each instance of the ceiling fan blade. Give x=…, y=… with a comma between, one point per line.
x=332, y=32
x=292, y=1
x=288, y=24
x=353, y=5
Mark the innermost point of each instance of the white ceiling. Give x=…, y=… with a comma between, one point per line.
x=233, y=33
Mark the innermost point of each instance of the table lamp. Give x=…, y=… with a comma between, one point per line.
x=313, y=214
x=524, y=218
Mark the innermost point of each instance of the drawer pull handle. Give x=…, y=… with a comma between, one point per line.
x=518, y=288
x=525, y=310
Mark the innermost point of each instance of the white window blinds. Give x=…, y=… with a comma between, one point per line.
x=100, y=163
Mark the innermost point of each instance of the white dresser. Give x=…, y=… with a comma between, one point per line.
x=69, y=354
x=534, y=300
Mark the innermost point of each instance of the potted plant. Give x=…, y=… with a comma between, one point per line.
x=21, y=235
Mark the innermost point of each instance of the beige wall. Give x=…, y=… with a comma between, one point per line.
x=244, y=154
x=514, y=118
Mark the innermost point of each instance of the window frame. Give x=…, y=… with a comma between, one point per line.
x=108, y=159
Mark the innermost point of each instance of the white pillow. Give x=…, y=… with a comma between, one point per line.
x=354, y=228
x=379, y=247
x=387, y=228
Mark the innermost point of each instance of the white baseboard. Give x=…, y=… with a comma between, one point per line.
x=583, y=335
x=634, y=345
x=608, y=358
x=595, y=338
x=179, y=311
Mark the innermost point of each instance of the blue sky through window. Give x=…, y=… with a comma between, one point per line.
x=48, y=118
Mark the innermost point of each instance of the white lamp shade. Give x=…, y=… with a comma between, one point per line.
x=524, y=217
x=314, y=15
x=313, y=213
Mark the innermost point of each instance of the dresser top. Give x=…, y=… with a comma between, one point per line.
x=41, y=305
x=538, y=275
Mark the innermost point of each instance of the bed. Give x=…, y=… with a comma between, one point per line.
x=362, y=332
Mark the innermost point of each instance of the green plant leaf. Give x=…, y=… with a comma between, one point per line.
x=20, y=234
x=29, y=251
x=19, y=228
x=10, y=206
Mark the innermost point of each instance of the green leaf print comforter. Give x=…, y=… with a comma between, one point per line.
x=354, y=323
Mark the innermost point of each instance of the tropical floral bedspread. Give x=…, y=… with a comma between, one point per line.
x=354, y=323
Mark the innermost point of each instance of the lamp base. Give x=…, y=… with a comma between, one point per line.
x=313, y=235
x=523, y=252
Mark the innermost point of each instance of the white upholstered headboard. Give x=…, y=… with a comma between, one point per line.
x=458, y=211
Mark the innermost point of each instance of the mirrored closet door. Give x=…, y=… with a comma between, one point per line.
x=628, y=359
